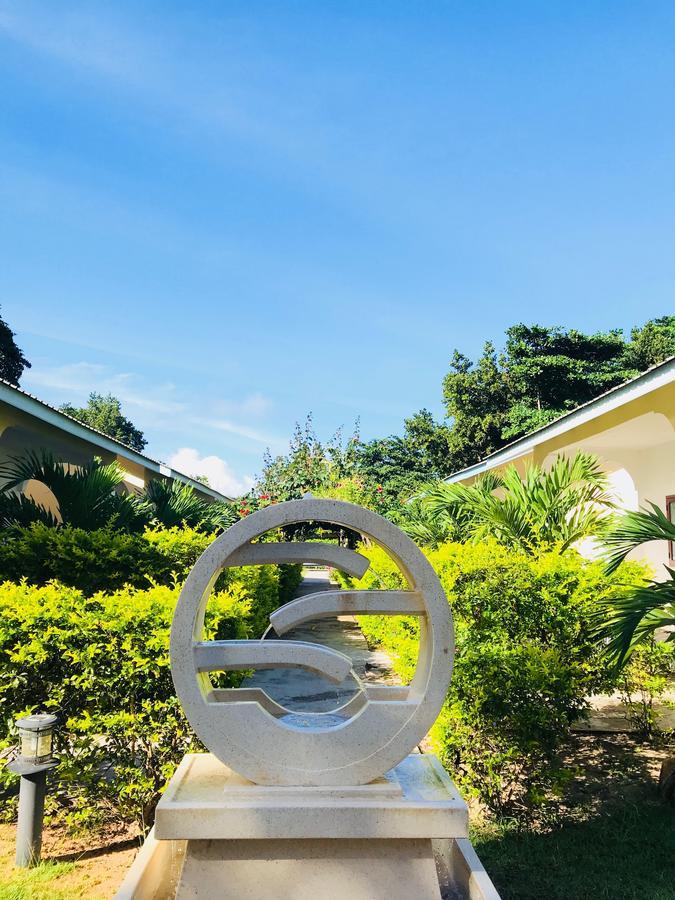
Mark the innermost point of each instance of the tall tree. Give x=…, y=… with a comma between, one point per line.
x=541, y=374
x=652, y=343
x=549, y=371
x=12, y=360
x=399, y=465
x=105, y=414
x=476, y=398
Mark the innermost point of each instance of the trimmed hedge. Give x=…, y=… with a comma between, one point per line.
x=525, y=662
x=100, y=657
x=102, y=560
x=102, y=664
x=107, y=560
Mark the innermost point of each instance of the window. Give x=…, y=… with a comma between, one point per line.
x=670, y=512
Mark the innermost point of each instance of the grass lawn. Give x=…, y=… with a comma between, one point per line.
x=84, y=868
x=613, y=837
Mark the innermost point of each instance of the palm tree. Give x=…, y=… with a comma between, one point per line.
x=424, y=529
x=631, y=620
x=88, y=496
x=171, y=503
x=556, y=506
x=92, y=496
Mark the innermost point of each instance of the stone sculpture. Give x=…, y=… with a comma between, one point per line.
x=251, y=733
x=318, y=806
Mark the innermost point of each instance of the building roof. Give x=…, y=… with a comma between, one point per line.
x=653, y=378
x=28, y=403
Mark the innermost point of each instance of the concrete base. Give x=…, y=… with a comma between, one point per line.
x=219, y=836
x=309, y=870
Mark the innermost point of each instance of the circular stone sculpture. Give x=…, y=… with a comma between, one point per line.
x=272, y=745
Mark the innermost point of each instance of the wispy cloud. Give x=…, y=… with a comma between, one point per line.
x=256, y=404
x=156, y=65
x=77, y=380
x=90, y=41
x=158, y=407
x=242, y=431
x=189, y=461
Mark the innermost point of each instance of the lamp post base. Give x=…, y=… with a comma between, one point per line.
x=32, y=791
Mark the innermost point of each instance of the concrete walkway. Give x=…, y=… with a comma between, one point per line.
x=299, y=689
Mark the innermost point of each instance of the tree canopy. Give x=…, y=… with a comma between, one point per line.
x=541, y=374
x=12, y=360
x=105, y=414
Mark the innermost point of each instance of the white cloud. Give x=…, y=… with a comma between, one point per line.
x=221, y=477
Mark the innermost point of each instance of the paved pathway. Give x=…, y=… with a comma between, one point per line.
x=608, y=714
x=299, y=689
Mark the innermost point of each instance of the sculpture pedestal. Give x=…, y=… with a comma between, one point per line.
x=402, y=836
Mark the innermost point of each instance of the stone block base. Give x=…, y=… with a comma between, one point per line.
x=219, y=836
x=309, y=870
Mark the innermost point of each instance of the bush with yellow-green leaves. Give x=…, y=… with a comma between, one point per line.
x=101, y=661
x=525, y=662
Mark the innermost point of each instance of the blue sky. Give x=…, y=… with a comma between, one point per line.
x=231, y=214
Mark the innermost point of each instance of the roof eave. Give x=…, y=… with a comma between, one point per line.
x=31, y=405
x=658, y=376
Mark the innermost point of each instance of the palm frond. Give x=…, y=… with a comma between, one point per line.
x=18, y=509
x=173, y=503
x=88, y=496
x=635, y=528
x=624, y=623
x=555, y=506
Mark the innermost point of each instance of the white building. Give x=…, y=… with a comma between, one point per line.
x=631, y=428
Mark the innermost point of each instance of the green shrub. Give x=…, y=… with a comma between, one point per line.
x=643, y=681
x=101, y=656
x=525, y=661
x=106, y=560
x=101, y=560
x=102, y=663
x=180, y=546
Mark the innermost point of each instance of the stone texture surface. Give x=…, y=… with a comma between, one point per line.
x=205, y=800
x=310, y=870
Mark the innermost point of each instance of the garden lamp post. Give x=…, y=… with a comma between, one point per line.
x=36, y=737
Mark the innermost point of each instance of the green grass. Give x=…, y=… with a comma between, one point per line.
x=37, y=883
x=615, y=838
x=628, y=853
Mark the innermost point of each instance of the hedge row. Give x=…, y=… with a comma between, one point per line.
x=524, y=664
x=102, y=663
x=94, y=648
x=107, y=560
